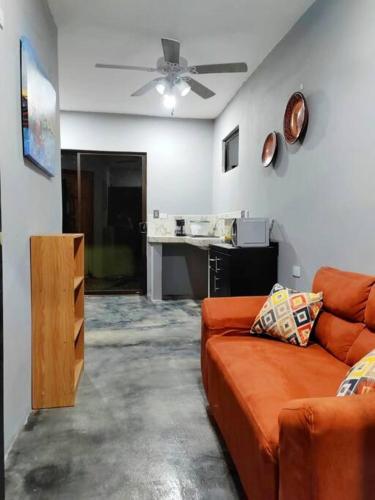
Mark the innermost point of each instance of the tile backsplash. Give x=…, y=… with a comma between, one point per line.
x=165, y=225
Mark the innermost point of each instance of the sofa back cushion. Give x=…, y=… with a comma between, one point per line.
x=336, y=335
x=341, y=327
x=366, y=339
x=364, y=343
x=370, y=310
x=345, y=294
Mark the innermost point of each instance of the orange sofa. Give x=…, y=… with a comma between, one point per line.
x=275, y=404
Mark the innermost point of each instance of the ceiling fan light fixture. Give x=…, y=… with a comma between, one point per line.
x=183, y=87
x=161, y=87
x=169, y=101
x=174, y=81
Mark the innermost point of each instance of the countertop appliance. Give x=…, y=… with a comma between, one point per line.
x=251, y=232
x=200, y=228
x=180, y=227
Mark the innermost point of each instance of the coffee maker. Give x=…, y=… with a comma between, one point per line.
x=180, y=227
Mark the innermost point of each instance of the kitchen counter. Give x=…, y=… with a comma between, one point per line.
x=201, y=242
x=155, y=258
x=225, y=246
x=186, y=271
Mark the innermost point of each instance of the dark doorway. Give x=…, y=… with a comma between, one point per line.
x=104, y=197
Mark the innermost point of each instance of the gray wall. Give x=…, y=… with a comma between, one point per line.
x=31, y=202
x=179, y=154
x=322, y=192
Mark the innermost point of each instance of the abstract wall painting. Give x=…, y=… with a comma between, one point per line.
x=38, y=98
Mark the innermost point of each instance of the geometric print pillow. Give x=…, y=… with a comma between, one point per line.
x=360, y=379
x=288, y=315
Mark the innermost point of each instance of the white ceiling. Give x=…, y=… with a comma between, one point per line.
x=129, y=32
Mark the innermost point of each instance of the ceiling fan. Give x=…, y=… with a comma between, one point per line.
x=176, y=73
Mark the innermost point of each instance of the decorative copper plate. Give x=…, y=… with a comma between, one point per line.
x=269, y=149
x=295, y=118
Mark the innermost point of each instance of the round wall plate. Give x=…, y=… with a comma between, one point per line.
x=269, y=153
x=295, y=118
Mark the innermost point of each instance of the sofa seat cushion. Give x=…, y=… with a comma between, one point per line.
x=226, y=316
x=265, y=374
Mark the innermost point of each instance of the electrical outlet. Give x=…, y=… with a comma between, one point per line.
x=2, y=18
x=296, y=272
x=156, y=214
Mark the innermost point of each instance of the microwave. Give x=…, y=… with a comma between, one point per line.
x=251, y=232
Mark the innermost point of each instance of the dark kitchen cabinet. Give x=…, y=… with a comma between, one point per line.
x=242, y=271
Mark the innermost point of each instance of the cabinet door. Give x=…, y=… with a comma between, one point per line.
x=254, y=271
x=219, y=275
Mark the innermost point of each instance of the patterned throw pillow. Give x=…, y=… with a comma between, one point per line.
x=288, y=315
x=360, y=379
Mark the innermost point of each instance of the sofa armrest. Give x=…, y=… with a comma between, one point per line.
x=227, y=316
x=327, y=448
x=231, y=312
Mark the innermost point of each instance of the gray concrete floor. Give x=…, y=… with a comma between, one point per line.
x=140, y=429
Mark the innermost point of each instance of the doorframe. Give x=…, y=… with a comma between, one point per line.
x=143, y=156
x=2, y=472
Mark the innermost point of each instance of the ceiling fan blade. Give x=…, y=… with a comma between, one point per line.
x=146, y=88
x=171, y=49
x=205, y=69
x=121, y=66
x=200, y=89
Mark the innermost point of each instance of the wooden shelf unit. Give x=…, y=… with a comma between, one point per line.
x=57, y=284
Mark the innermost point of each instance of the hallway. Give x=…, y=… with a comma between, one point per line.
x=140, y=430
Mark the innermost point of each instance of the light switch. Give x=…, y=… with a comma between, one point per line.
x=156, y=214
x=296, y=271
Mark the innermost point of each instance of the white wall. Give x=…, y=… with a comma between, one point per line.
x=31, y=202
x=321, y=193
x=179, y=154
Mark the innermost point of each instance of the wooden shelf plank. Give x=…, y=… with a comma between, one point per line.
x=77, y=372
x=77, y=327
x=58, y=235
x=77, y=281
